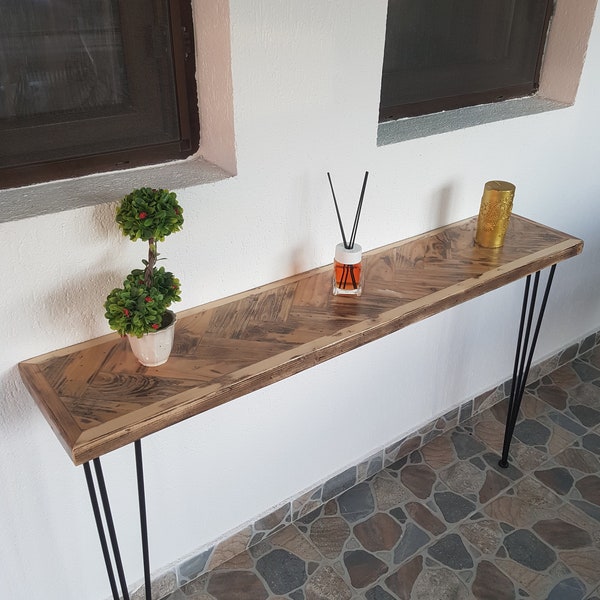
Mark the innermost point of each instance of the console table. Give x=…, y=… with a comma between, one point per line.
x=97, y=397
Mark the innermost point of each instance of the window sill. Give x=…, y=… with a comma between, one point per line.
x=412, y=128
x=68, y=194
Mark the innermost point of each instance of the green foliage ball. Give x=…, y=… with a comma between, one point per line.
x=135, y=308
x=148, y=213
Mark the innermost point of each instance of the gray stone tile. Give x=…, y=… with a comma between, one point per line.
x=338, y=484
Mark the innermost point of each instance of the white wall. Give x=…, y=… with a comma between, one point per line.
x=305, y=98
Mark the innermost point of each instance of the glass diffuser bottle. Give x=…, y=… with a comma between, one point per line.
x=347, y=271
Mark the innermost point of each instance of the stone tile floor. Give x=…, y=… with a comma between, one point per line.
x=446, y=522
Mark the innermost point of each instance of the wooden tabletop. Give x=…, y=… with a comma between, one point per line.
x=97, y=397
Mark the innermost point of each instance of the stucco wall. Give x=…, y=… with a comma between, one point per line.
x=305, y=79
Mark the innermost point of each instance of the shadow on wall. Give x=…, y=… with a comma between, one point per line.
x=16, y=405
x=441, y=205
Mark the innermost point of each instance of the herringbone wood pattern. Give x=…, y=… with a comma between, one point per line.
x=97, y=397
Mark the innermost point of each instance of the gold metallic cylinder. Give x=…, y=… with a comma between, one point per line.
x=494, y=213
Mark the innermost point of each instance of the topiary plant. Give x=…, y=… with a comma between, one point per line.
x=140, y=305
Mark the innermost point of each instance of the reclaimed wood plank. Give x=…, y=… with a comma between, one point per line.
x=97, y=397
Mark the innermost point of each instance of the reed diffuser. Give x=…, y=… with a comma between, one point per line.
x=348, y=274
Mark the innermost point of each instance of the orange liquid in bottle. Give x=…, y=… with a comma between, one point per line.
x=347, y=278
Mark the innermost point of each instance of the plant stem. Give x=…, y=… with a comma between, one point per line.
x=152, y=254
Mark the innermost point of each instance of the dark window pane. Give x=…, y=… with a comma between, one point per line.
x=93, y=85
x=61, y=62
x=442, y=54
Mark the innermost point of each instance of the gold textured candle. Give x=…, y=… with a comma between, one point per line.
x=494, y=213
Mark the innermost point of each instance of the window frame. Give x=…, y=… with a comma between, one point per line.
x=468, y=98
x=186, y=99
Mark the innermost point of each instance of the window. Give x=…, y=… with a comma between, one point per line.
x=96, y=85
x=442, y=55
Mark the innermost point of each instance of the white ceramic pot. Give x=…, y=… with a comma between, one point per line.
x=154, y=348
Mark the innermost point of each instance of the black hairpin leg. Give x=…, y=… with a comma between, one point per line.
x=524, y=355
x=143, y=523
x=116, y=555
x=100, y=526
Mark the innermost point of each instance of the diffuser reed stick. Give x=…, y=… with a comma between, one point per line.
x=358, y=209
x=337, y=210
x=349, y=244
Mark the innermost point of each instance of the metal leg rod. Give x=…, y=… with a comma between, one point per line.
x=108, y=519
x=538, y=327
x=524, y=357
x=521, y=355
x=101, y=534
x=111, y=527
x=143, y=523
x=518, y=353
